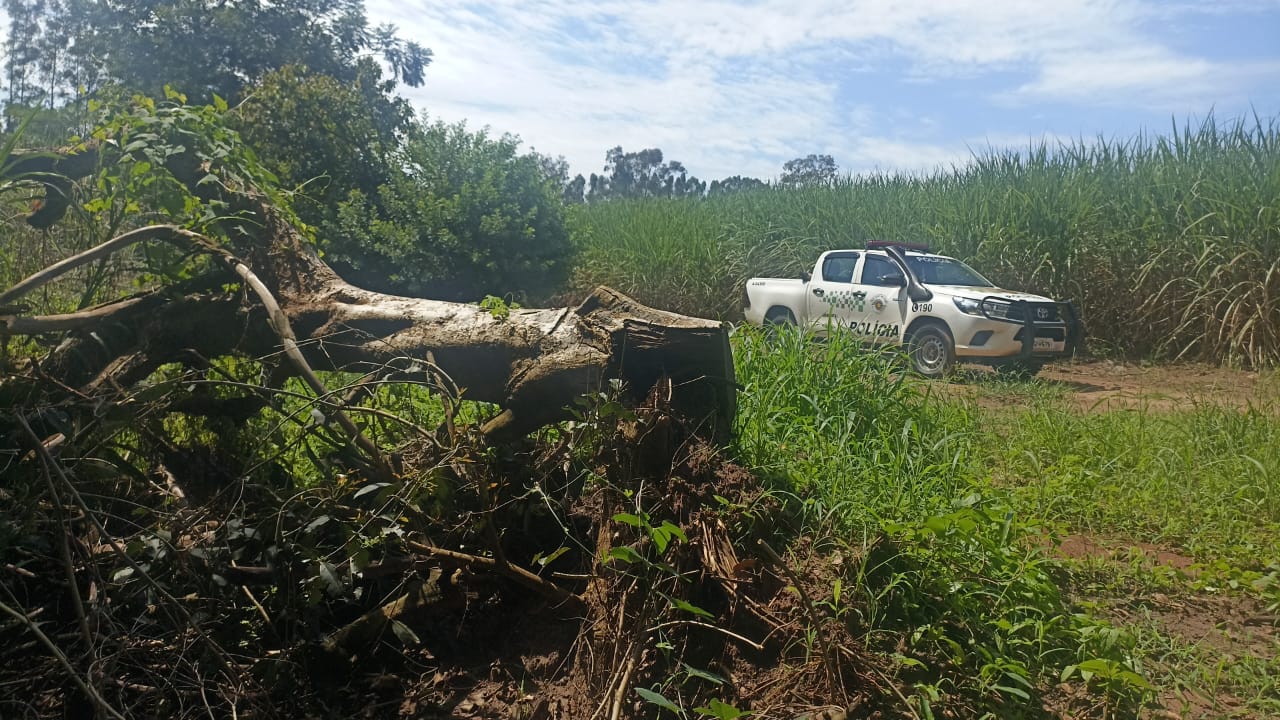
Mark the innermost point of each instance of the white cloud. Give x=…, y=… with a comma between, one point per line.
x=567, y=96
x=740, y=86
x=730, y=87
x=1149, y=77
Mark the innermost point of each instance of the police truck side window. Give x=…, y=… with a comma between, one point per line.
x=880, y=271
x=839, y=268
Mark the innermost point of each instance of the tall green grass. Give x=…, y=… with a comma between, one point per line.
x=950, y=500
x=848, y=429
x=1205, y=480
x=1170, y=242
x=945, y=579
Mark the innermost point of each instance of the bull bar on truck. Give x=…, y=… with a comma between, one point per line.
x=1068, y=313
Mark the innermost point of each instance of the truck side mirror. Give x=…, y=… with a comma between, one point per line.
x=915, y=291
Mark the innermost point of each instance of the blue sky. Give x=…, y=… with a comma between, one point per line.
x=741, y=87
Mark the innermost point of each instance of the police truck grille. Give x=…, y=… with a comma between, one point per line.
x=1040, y=312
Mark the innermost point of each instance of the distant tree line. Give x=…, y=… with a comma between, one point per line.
x=644, y=174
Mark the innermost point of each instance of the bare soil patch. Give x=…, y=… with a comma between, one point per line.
x=1230, y=628
x=1083, y=546
x=1108, y=385
x=1104, y=385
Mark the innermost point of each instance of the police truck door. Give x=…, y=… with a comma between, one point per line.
x=832, y=297
x=881, y=284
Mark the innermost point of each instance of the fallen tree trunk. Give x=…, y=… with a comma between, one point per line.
x=531, y=363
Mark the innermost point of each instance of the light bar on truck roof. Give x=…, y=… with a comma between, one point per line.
x=880, y=244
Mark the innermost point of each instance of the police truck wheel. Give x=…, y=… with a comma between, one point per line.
x=931, y=350
x=776, y=319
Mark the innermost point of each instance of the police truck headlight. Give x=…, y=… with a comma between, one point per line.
x=994, y=308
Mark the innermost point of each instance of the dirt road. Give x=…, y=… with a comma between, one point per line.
x=1098, y=385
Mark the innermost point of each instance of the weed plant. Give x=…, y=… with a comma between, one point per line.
x=1198, y=478
x=1171, y=242
x=887, y=472
x=1207, y=681
x=833, y=420
x=1205, y=479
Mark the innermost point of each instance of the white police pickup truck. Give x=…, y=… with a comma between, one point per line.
x=940, y=309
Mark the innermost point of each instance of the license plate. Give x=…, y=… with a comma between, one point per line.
x=1043, y=344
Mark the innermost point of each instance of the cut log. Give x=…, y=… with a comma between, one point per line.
x=532, y=363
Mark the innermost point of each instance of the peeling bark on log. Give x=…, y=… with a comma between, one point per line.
x=532, y=363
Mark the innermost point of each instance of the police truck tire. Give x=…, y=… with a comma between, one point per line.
x=777, y=318
x=931, y=350
x=780, y=316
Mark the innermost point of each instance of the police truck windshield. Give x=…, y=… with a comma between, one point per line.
x=934, y=270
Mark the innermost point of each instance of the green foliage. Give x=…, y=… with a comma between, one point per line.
x=164, y=144
x=324, y=136
x=170, y=162
x=949, y=575
x=810, y=171
x=1198, y=667
x=686, y=255
x=735, y=184
x=151, y=151
x=36, y=68
x=948, y=504
x=7, y=148
x=660, y=535
x=657, y=700
x=1114, y=675
x=721, y=711
x=1205, y=478
x=980, y=599
x=201, y=47
x=642, y=175
x=467, y=216
x=1170, y=243
x=44, y=127
x=498, y=307
x=835, y=421
x=305, y=77
x=26, y=249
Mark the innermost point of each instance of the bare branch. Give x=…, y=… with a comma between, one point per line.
x=280, y=323
x=172, y=605
x=515, y=572
x=44, y=324
x=168, y=233
x=93, y=695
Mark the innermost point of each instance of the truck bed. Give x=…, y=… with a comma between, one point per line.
x=763, y=293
